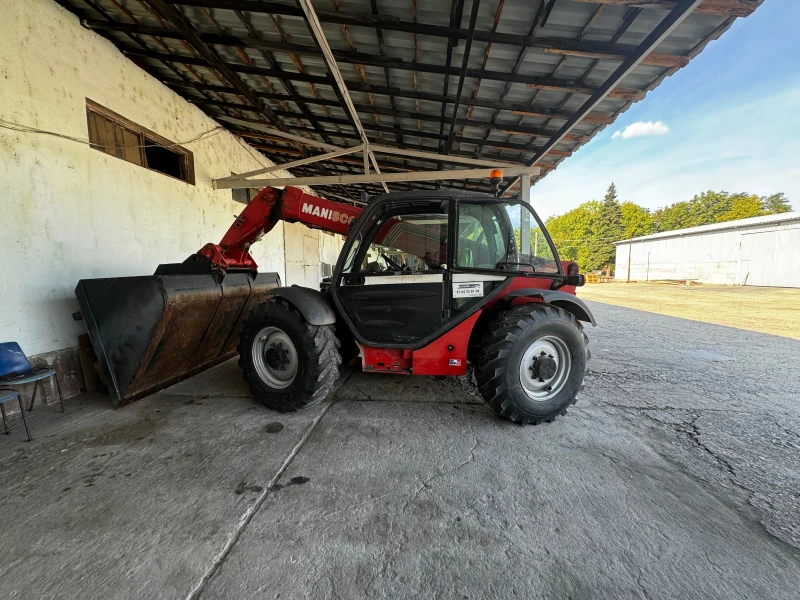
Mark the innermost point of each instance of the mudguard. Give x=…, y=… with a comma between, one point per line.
x=568, y=302
x=314, y=307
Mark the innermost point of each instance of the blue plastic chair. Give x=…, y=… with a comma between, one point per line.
x=16, y=370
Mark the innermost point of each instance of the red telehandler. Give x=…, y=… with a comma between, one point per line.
x=425, y=282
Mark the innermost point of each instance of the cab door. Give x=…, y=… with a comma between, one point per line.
x=496, y=240
x=391, y=284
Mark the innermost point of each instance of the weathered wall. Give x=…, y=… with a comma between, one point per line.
x=71, y=212
x=753, y=255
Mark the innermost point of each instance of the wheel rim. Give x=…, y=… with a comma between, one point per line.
x=275, y=357
x=545, y=368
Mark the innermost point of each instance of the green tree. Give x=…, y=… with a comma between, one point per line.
x=573, y=231
x=674, y=216
x=636, y=220
x=609, y=229
x=774, y=204
x=709, y=207
x=742, y=206
x=712, y=207
x=586, y=233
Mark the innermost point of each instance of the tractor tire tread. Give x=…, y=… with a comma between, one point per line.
x=496, y=347
x=316, y=344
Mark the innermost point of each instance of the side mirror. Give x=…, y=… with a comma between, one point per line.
x=576, y=280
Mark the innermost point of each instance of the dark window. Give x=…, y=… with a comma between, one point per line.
x=117, y=136
x=163, y=160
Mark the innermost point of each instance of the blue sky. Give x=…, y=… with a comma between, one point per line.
x=733, y=120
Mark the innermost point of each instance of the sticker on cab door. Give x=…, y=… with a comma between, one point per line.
x=468, y=289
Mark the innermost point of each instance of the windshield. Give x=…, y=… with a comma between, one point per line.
x=502, y=236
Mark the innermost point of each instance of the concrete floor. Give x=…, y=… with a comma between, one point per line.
x=677, y=475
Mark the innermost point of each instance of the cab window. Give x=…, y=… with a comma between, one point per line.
x=408, y=243
x=503, y=236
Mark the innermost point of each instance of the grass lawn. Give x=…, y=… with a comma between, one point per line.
x=768, y=310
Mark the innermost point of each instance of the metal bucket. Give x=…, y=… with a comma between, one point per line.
x=152, y=331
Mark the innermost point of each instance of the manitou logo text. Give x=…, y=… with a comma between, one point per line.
x=326, y=213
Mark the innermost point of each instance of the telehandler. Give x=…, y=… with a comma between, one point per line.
x=426, y=282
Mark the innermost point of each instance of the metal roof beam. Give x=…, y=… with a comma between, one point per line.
x=545, y=83
x=316, y=30
x=500, y=145
x=177, y=20
x=731, y=8
x=456, y=11
x=667, y=25
x=289, y=165
x=99, y=10
x=368, y=108
x=264, y=134
x=379, y=177
x=281, y=152
x=590, y=49
x=549, y=6
x=420, y=159
x=386, y=74
x=486, y=52
x=464, y=64
x=514, y=107
x=405, y=153
x=725, y=8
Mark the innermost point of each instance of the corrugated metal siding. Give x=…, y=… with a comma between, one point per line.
x=771, y=258
x=760, y=255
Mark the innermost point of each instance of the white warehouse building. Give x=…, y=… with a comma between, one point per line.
x=760, y=251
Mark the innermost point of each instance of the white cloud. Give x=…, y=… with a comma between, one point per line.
x=641, y=129
x=739, y=146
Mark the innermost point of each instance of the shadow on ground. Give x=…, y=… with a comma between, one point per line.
x=676, y=475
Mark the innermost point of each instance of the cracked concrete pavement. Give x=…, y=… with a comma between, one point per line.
x=677, y=474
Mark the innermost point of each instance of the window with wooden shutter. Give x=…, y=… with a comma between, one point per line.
x=115, y=135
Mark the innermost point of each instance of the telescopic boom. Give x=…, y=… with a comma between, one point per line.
x=271, y=205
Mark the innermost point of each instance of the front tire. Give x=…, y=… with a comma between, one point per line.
x=532, y=364
x=288, y=363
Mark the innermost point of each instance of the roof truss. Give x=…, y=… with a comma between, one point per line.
x=308, y=83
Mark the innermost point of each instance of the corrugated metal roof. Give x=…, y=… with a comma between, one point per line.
x=738, y=224
x=532, y=65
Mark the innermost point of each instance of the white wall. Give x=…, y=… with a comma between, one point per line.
x=70, y=212
x=733, y=257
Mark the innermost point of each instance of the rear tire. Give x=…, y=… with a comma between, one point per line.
x=288, y=363
x=532, y=364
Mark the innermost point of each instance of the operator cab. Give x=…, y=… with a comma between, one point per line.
x=416, y=264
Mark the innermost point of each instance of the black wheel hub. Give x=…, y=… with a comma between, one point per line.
x=277, y=357
x=544, y=367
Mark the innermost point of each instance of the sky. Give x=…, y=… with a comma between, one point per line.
x=728, y=121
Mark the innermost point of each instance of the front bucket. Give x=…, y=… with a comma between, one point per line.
x=150, y=332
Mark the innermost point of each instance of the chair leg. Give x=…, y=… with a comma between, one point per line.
x=33, y=398
x=5, y=422
x=58, y=387
x=24, y=418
